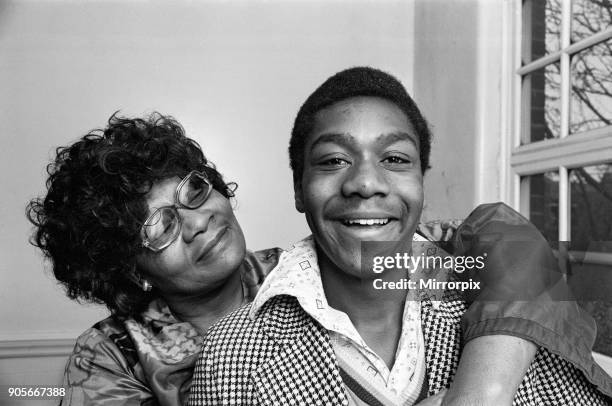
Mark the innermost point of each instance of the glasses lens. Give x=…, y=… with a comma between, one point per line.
x=195, y=191
x=161, y=227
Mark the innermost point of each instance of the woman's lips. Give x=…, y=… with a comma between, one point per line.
x=212, y=243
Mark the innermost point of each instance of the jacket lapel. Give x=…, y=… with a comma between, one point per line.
x=302, y=368
x=442, y=334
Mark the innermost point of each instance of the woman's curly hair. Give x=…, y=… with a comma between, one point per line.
x=89, y=222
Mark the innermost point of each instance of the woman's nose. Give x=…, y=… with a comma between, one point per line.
x=195, y=221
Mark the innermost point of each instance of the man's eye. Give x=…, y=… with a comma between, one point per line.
x=334, y=162
x=396, y=160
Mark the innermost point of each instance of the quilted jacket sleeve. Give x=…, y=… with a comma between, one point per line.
x=98, y=374
x=524, y=291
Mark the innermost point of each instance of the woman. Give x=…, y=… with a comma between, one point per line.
x=137, y=219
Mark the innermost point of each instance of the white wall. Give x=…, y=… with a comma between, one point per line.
x=458, y=68
x=233, y=73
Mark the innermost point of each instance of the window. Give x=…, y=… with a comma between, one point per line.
x=561, y=160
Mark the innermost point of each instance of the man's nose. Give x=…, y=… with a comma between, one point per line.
x=365, y=179
x=195, y=221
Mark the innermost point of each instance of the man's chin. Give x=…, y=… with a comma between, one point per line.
x=356, y=273
x=353, y=268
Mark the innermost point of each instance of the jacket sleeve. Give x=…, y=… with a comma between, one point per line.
x=524, y=293
x=98, y=374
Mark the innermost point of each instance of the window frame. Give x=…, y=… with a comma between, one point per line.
x=559, y=154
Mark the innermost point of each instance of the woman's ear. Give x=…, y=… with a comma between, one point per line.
x=139, y=280
x=134, y=276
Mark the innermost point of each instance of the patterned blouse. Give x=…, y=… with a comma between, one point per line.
x=124, y=362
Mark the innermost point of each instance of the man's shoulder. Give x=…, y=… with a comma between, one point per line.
x=553, y=380
x=278, y=316
x=235, y=325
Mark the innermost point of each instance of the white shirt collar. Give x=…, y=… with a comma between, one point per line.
x=297, y=274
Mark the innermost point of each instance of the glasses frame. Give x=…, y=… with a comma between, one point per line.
x=174, y=207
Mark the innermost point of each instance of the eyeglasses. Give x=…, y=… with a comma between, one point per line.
x=163, y=226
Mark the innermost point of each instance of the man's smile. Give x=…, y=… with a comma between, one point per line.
x=369, y=228
x=365, y=222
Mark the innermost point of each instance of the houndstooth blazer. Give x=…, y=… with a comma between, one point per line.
x=284, y=357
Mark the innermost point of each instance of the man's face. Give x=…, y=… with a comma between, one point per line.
x=362, y=179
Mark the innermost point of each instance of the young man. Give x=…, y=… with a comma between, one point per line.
x=318, y=333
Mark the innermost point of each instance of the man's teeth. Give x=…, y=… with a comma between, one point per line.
x=366, y=222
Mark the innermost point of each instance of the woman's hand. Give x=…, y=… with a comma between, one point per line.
x=439, y=230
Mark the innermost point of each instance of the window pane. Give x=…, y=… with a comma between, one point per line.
x=541, y=28
x=602, y=313
x=591, y=80
x=542, y=193
x=591, y=208
x=590, y=17
x=591, y=230
x=541, y=104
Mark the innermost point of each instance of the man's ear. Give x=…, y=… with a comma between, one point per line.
x=298, y=195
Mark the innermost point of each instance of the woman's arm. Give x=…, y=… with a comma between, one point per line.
x=524, y=295
x=97, y=373
x=490, y=371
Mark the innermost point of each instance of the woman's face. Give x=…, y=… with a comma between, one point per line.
x=210, y=246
